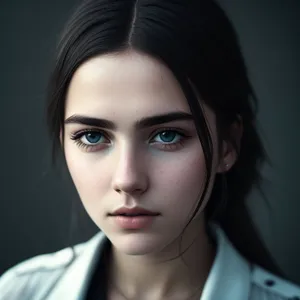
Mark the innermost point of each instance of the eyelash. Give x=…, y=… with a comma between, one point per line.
x=170, y=146
x=78, y=135
x=167, y=146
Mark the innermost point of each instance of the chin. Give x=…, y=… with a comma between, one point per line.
x=136, y=243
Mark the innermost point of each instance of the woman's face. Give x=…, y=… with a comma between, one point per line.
x=130, y=142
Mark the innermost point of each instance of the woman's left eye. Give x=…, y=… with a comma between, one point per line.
x=167, y=137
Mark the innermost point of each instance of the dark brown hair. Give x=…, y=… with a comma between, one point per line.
x=197, y=42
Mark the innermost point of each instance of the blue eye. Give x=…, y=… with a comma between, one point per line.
x=92, y=138
x=168, y=137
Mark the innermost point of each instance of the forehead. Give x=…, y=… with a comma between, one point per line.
x=117, y=85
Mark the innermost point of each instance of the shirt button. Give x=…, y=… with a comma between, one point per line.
x=269, y=282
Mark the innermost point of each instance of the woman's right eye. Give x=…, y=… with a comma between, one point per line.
x=90, y=139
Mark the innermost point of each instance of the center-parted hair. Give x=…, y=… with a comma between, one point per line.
x=197, y=42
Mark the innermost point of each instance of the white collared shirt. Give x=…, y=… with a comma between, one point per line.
x=59, y=277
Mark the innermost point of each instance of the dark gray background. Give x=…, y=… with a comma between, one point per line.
x=36, y=198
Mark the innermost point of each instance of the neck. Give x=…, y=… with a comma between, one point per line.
x=167, y=274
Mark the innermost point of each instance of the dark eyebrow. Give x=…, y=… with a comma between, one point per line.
x=89, y=121
x=140, y=124
x=161, y=119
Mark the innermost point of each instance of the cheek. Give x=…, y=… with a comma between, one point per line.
x=89, y=173
x=180, y=179
x=185, y=173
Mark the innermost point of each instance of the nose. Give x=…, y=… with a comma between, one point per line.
x=130, y=176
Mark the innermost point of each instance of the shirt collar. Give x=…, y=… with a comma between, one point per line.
x=75, y=281
x=229, y=277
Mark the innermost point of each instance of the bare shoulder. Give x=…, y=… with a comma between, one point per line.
x=266, y=285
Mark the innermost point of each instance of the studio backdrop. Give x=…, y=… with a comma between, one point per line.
x=36, y=199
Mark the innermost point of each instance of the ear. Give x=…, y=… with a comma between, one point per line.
x=230, y=147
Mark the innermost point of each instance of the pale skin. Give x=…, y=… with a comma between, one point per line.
x=135, y=165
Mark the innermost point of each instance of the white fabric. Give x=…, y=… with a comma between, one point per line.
x=58, y=277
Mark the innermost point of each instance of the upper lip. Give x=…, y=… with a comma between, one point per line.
x=133, y=211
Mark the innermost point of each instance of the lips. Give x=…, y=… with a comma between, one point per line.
x=133, y=218
x=134, y=215
x=133, y=212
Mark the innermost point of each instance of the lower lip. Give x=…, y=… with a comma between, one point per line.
x=136, y=222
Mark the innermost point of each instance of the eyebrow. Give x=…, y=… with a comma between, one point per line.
x=140, y=124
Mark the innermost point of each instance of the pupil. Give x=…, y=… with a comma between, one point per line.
x=168, y=136
x=93, y=137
